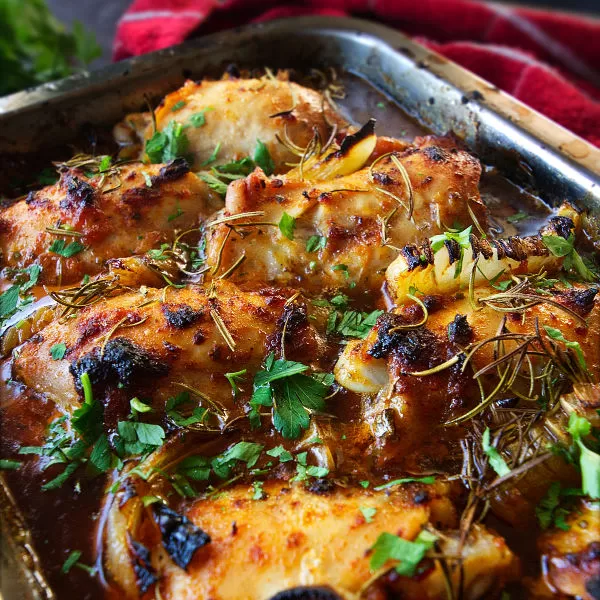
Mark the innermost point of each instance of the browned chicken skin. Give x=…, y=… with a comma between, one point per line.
x=349, y=213
x=130, y=212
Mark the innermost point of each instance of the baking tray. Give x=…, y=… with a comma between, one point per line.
x=523, y=145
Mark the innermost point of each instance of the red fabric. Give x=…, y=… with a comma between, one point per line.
x=549, y=60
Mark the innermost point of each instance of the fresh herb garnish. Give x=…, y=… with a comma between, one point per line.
x=462, y=238
x=589, y=459
x=58, y=351
x=178, y=105
x=517, y=217
x=304, y=471
x=287, y=224
x=258, y=492
x=429, y=479
x=281, y=453
x=211, y=159
x=199, y=119
x=551, y=510
x=368, y=512
x=214, y=183
x=315, y=243
x=233, y=379
x=560, y=247
x=410, y=554
x=494, y=458
x=557, y=335
x=263, y=159
x=283, y=386
x=61, y=248
x=7, y=464
x=168, y=144
x=352, y=323
x=178, y=212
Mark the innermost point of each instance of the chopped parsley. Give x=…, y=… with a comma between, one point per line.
x=258, y=492
x=555, y=506
x=315, y=243
x=168, y=144
x=233, y=379
x=392, y=547
x=13, y=298
x=58, y=351
x=368, y=512
x=557, y=335
x=517, y=217
x=352, y=323
x=429, y=479
x=61, y=248
x=462, y=238
x=494, y=458
x=199, y=119
x=198, y=414
x=560, y=247
x=159, y=253
x=7, y=464
x=281, y=453
x=214, y=183
x=287, y=224
x=304, y=471
x=138, y=438
x=178, y=105
x=263, y=159
x=105, y=164
x=589, y=459
x=178, y=212
x=211, y=159
x=73, y=561
x=283, y=386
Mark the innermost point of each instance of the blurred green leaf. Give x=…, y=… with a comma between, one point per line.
x=35, y=47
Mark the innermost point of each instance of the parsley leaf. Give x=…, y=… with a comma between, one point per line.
x=462, y=238
x=138, y=438
x=517, y=217
x=549, y=511
x=69, y=563
x=368, y=512
x=560, y=247
x=494, y=458
x=233, y=378
x=429, y=479
x=557, y=335
x=353, y=323
x=287, y=224
x=391, y=547
x=199, y=119
x=168, y=144
x=178, y=105
x=58, y=351
x=283, y=386
x=589, y=461
x=36, y=48
x=214, y=183
x=7, y=464
x=281, y=453
x=61, y=248
x=211, y=159
x=258, y=492
x=315, y=243
x=263, y=159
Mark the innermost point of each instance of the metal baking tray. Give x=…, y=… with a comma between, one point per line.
x=523, y=145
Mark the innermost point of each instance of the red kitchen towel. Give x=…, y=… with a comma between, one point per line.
x=549, y=60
